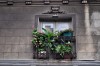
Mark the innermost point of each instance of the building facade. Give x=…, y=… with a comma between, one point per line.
x=17, y=18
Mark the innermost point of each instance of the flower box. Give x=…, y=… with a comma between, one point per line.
x=68, y=34
x=42, y=55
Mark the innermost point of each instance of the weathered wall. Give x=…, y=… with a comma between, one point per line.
x=95, y=28
x=16, y=30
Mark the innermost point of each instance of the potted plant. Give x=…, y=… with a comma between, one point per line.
x=52, y=43
x=51, y=38
x=67, y=32
x=63, y=51
x=42, y=53
x=39, y=44
x=43, y=42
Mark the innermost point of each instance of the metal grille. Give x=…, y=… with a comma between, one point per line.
x=48, y=54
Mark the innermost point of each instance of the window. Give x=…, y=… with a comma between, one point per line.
x=59, y=23
x=55, y=24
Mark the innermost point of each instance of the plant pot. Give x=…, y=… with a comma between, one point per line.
x=68, y=56
x=68, y=34
x=57, y=56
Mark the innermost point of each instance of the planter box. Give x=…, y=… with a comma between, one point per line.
x=68, y=34
x=42, y=55
x=68, y=56
x=57, y=56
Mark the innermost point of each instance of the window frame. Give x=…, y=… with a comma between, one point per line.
x=38, y=26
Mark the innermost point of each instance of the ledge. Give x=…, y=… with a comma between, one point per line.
x=35, y=62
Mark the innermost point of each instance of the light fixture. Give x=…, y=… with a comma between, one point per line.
x=10, y=2
x=28, y=2
x=65, y=1
x=55, y=8
x=84, y=1
x=46, y=2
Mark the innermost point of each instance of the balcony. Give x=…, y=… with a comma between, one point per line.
x=54, y=46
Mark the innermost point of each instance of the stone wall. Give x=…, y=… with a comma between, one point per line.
x=16, y=30
x=95, y=28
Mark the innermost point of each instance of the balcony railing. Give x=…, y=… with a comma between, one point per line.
x=63, y=47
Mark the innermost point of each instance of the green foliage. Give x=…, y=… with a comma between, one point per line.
x=62, y=49
x=67, y=30
x=39, y=40
x=49, y=39
x=48, y=33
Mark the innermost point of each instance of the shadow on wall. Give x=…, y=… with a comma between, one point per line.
x=95, y=29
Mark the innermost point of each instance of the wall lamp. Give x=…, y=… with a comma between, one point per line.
x=65, y=1
x=28, y=2
x=84, y=1
x=46, y=2
x=55, y=8
x=10, y=2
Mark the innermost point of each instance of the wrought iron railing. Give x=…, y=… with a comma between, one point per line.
x=47, y=53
